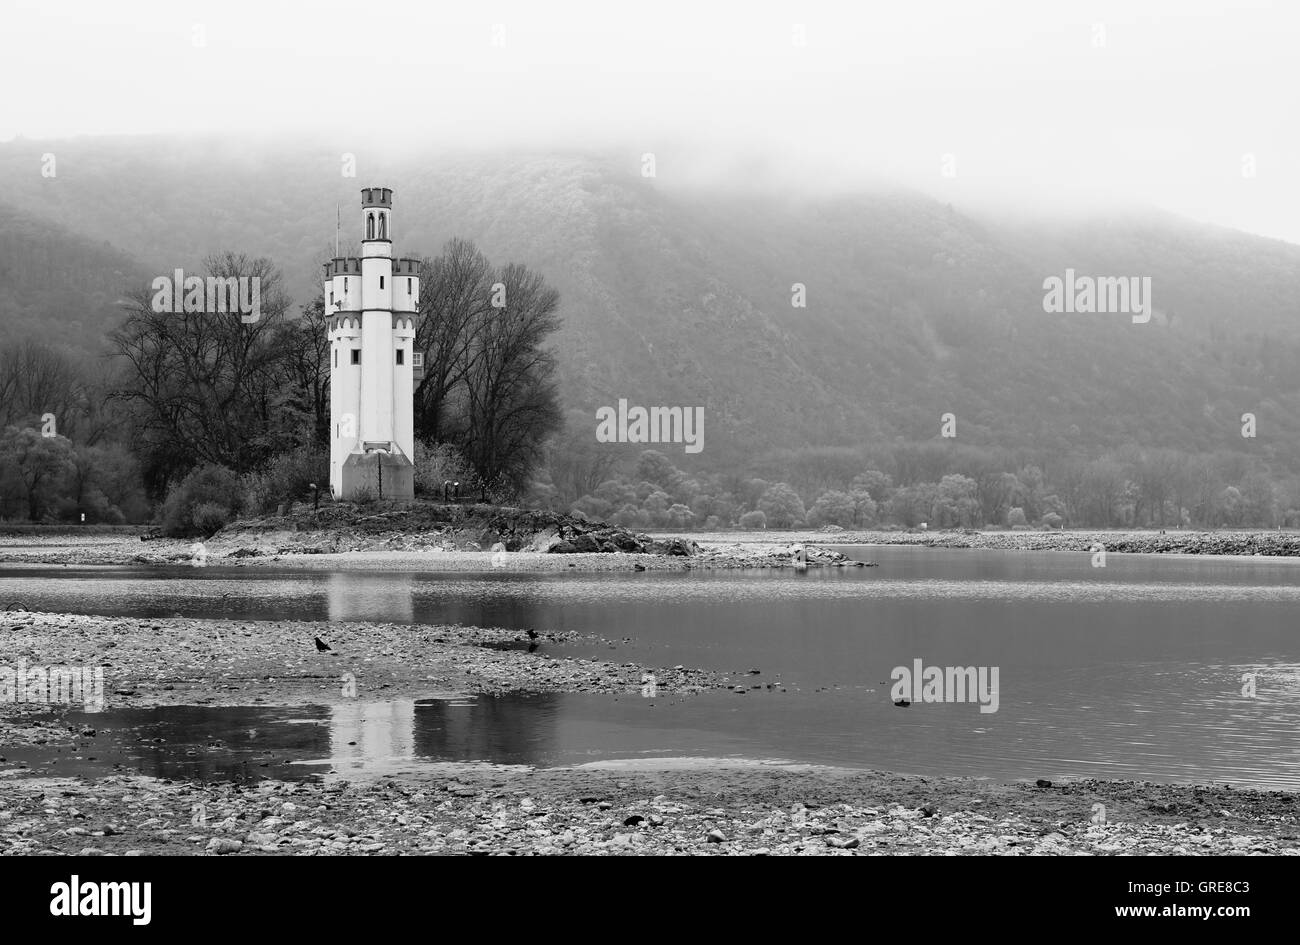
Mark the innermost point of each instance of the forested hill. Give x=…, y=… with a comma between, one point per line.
x=58, y=286
x=681, y=295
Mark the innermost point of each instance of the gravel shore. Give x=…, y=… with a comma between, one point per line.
x=702, y=807
x=182, y=661
x=1137, y=541
x=394, y=554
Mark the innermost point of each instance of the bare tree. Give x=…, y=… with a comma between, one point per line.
x=455, y=304
x=209, y=387
x=36, y=379
x=511, y=397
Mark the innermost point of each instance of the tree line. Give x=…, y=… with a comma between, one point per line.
x=940, y=485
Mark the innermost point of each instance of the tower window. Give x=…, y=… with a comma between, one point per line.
x=336, y=357
x=370, y=226
x=401, y=356
x=383, y=226
x=356, y=355
x=410, y=285
x=381, y=282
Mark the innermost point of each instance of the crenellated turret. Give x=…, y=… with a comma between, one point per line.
x=371, y=305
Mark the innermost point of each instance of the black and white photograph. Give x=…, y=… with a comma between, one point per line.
x=718, y=429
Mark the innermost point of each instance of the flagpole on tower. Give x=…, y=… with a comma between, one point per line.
x=337, y=218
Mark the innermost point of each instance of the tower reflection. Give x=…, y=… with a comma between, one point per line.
x=380, y=597
x=517, y=729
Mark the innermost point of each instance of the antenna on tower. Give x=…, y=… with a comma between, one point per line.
x=336, y=229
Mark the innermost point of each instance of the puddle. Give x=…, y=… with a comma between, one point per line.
x=358, y=739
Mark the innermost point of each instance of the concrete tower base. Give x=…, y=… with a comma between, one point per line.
x=390, y=477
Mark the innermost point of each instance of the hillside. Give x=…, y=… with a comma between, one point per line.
x=58, y=286
x=673, y=295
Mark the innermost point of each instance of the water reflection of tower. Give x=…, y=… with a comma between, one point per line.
x=354, y=596
x=368, y=733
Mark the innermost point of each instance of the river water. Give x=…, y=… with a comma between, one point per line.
x=1130, y=670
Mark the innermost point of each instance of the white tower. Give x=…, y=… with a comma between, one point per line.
x=370, y=306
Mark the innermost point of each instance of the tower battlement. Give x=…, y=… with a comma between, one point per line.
x=343, y=266
x=376, y=197
x=406, y=267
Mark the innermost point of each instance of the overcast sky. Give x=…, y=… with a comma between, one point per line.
x=1041, y=104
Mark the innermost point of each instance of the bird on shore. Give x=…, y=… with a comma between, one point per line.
x=532, y=634
x=323, y=647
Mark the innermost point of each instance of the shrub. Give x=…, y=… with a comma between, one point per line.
x=1017, y=517
x=1052, y=520
x=210, y=517
x=285, y=479
x=437, y=464
x=753, y=520
x=207, y=485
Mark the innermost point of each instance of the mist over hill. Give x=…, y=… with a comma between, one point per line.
x=681, y=293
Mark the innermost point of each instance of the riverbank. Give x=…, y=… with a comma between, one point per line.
x=703, y=807
x=182, y=661
x=391, y=549
x=397, y=552
x=1132, y=541
x=696, y=806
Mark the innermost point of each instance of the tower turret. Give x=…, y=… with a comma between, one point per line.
x=371, y=304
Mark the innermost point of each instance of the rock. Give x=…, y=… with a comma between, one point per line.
x=676, y=547
x=562, y=548
x=221, y=845
x=716, y=836
x=929, y=810
x=1043, y=783
x=584, y=544
x=633, y=820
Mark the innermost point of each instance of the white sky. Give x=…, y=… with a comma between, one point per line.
x=1036, y=115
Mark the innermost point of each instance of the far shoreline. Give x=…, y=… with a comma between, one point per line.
x=718, y=550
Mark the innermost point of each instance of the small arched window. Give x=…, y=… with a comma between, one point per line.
x=383, y=226
x=370, y=226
